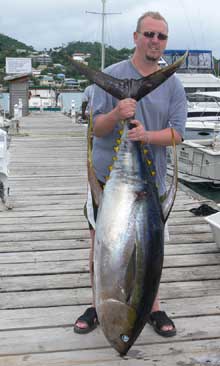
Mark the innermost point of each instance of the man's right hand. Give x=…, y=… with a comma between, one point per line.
x=126, y=108
x=105, y=123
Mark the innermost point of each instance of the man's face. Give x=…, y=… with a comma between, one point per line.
x=148, y=47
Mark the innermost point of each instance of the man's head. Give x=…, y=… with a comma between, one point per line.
x=151, y=36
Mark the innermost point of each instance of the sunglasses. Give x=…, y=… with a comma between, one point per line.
x=149, y=34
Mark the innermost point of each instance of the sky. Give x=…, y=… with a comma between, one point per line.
x=48, y=23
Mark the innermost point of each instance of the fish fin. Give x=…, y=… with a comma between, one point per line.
x=110, y=84
x=96, y=189
x=146, y=84
x=130, y=276
x=128, y=88
x=169, y=200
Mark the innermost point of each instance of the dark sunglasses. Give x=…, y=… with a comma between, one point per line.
x=149, y=34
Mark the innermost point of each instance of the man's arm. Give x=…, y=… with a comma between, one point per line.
x=161, y=137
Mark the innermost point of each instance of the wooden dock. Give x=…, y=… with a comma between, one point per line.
x=44, y=278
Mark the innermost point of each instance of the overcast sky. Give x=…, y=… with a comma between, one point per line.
x=49, y=23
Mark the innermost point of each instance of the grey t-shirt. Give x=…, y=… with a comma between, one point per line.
x=164, y=107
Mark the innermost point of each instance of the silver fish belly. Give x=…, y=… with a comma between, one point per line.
x=129, y=246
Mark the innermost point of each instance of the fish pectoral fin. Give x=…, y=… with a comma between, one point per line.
x=130, y=275
x=169, y=200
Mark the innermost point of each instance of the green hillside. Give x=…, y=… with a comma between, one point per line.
x=10, y=47
x=112, y=55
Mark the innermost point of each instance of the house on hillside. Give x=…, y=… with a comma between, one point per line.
x=81, y=57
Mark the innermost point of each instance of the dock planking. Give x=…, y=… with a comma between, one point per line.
x=44, y=275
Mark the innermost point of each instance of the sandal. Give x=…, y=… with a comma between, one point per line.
x=158, y=319
x=89, y=318
x=203, y=210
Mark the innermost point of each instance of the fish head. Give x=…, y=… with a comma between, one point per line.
x=117, y=320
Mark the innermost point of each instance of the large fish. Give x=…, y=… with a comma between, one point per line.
x=129, y=239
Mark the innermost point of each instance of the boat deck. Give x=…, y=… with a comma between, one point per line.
x=44, y=277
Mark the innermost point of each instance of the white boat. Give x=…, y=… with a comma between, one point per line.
x=199, y=155
x=198, y=161
x=203, y=115
x=44, y=99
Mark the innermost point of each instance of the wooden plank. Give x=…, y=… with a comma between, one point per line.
x=64, y=279
x=45, y=235
x=50, y=245
x=77, y=261
x=69, y=263
x=45, y=256
x=41, y=245
x=44, y=227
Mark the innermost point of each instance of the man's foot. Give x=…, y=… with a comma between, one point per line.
x=162, y=324
x=86, y=322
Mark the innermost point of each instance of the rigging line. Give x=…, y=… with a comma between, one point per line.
x=108, y=35
x=201, y=30
x=188, y=21
x=94, y=35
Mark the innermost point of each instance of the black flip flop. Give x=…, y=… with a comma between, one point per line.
x=89, y=318
x=158, y=319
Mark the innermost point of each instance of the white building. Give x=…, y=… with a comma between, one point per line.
x=81, y=57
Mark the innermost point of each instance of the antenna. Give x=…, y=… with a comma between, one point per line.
x=103, y=13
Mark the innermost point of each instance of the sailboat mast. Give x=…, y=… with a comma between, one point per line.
x=103, y=36
x=103, y=14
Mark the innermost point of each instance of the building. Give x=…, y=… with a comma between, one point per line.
x=18, y=90
x=71, y=83
x=42, y=59
x=46, y=80
x=81, y=57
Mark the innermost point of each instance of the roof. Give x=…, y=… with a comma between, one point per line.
x=16, y=77
x=196, y=80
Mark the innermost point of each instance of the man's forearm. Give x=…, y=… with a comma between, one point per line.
x=162, y=137
x=105, y=123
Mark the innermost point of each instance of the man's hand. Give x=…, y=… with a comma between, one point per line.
x=138, y=132
x=125, y=108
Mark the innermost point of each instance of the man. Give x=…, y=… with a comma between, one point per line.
x=163, y=108
x=86, y=101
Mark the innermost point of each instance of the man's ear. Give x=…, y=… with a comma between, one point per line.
x=135, y=37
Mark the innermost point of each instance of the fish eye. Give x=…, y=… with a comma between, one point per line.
x=124, y=338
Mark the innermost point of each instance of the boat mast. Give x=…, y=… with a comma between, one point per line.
x=103, y=14
x=103, y=36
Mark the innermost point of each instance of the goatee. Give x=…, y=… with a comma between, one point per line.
x=151, y=58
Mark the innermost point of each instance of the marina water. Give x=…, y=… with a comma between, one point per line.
x=66, y=99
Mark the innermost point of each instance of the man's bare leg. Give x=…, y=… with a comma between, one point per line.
x=155, y=308
x=82, y=324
